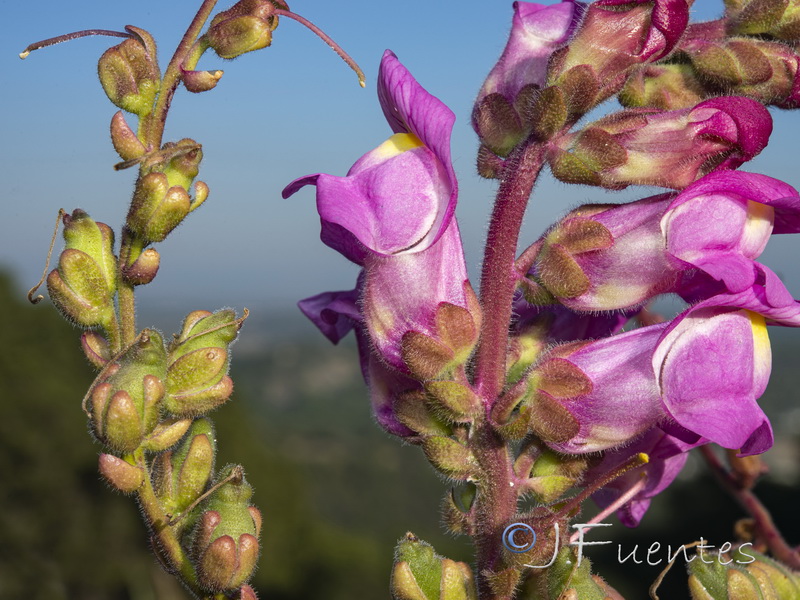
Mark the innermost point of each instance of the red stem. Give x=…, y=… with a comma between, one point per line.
x=498, y=279
x=765, y=526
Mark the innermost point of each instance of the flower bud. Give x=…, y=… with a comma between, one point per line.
x=161, y=199
x=200, y=81
x=129, y=74
x=122, y=475
x=668, y=149
x=225, y=540
x=83, y=285
x=166, y=434
x=182, y=474
x=421, y=574
x=552, y=475
x=412, y=410
x=144, y=269
x=125, y=141
x=245, y=27
x=197, y=380
x=96, y=348
x=126, y=401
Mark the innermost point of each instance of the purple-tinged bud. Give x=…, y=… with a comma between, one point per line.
x=503, y=108
x=82, y=287
x=225, y=541
x=96, y=348
x=200, y=81
x=667, y=149
x=120, y=474
x=245, y=27
x=125, y=141
x=615, y=35
x=421, y=574
x=246, y=593
x=144, y=269
x=668, y=87
x=129, y=74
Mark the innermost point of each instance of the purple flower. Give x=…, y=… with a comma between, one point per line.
x=697, y=376
x=605, y=257
x=536, y=31
x=393, y=214
x=669, y=149
x=667, y=456
x=336, y=313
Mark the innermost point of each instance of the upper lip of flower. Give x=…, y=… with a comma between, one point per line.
x=350, y=206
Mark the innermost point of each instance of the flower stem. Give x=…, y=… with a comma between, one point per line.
x=765, y=526
x=154, y=131
x=495, y=503
x=498, y=279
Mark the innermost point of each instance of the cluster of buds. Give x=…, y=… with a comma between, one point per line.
x=751, y=51
x=146, y=396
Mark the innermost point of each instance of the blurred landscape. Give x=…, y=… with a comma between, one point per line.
x=335, y=491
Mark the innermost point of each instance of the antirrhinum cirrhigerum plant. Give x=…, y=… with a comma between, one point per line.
x=551, y=383
x=150, y=402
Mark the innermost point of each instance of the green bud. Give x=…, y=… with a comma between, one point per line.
x=161, y=198
x=449, y=457
x=777, y=18
x=129, y=74
x=125, y=141
x=245, y=27
x=182, y=474
x=421, y=574
x=197, y=380
x=121, y=475
x=226, y=536
x=83, y=285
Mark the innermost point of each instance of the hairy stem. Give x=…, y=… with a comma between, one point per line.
x=495, y=503
x=765, y=526
x=498, y=279
x=168, y=544
x=154, y=132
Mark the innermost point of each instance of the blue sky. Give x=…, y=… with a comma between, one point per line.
x=283, y=112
